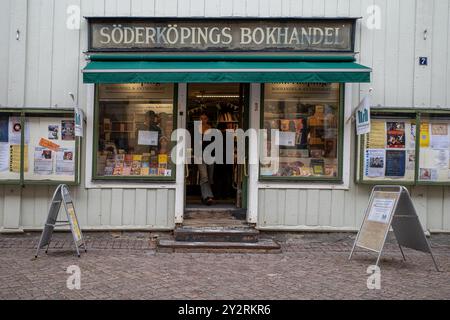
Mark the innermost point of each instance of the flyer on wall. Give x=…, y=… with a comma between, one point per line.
x=375, y=162
x=15, y=156
x=4, y=156
x=424, y=135
x=412, y=136
x=53, y=132
x=68, y=130
x=4, y=129
x=395, y=163
x=411, y=160
x=65, y=163
x=376, y=138
x=439, y=136
x=428, y=174
x=395, y=135
x=43, y=161
x=441, y=158
x=15, y=131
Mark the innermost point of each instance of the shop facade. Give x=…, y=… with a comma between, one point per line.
x=140, y=77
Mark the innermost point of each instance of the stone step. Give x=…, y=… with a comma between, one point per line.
x=262, y=246
x=217, y=234
x=214, y=212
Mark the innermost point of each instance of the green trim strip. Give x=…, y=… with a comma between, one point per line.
x=224, y=71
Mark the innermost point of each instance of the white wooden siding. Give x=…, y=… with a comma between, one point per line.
x=43, y=66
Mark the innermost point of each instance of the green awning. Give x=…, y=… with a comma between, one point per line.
x=196, y=69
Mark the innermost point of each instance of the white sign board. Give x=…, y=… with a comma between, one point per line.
x=381, y=210
x=148, y=138
x=363, y=117
x=79, y=122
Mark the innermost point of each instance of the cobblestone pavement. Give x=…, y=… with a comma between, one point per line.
x=126, y=266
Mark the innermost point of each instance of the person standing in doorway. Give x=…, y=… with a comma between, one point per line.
x=206, y=171
x=224, y=172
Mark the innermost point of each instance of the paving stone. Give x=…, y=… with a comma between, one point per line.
x=311, y=266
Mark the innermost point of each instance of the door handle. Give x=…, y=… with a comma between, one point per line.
x=187, y=170
x=245, y=167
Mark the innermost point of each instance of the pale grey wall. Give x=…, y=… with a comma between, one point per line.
x=44, y=65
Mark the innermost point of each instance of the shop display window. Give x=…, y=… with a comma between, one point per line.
x=39, y=147
x=306, y=119
x=134, y=123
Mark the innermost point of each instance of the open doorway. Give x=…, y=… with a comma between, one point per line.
x=223, y=107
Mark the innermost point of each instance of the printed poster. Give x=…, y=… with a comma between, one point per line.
x=424, y=135
x=15, y=131
x=411, y=160
x=4, y=156
x=439, y=136
x=48, y=144
x=375, y=163
x=65, y=161
x=14, y=158
x=4, y=129
x=412, y=136
x=376, y=138
x=395, y=135
x=441, y=158
x=428, y=174
x=148, y=138
x=53, y=132
x=381, y=210
x=43, y=161
x=395, y=163
x=286, y=138
x=73, y=221
x=67, y=130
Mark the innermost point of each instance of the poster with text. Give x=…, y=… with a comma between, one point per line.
x=68, y=130
x=395, y=163
x=4, y=156
x=424, y=135
x=439, y=136
x=15, y=156
x=4, y=129
x=377, y=137
x=53, y=132
x=65, y=161
x=43, y=161
x=375, y=163
x=395, y=135
x=381, y=210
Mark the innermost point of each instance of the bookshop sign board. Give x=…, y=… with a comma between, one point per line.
x=225, y=35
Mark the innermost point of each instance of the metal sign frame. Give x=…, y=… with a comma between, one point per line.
x=61, y=195
x=403, y=213
x=214, y=21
